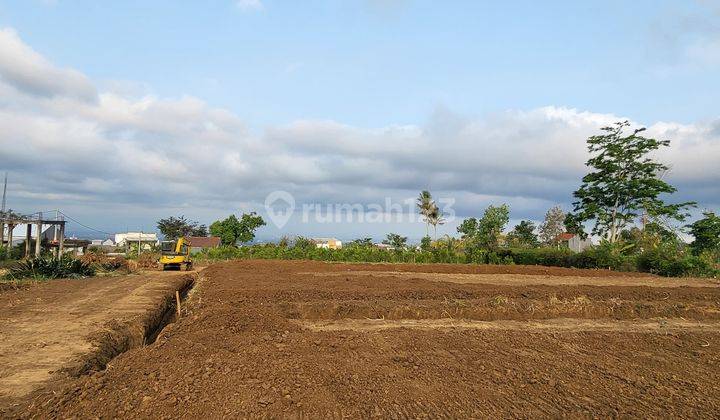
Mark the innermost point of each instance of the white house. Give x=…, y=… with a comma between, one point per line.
x=574, y=242
x=147, y=240
x=327, y=243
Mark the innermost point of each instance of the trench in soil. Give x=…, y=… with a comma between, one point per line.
x=120, y=337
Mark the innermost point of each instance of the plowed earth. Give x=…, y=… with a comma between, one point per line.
x=308, y=339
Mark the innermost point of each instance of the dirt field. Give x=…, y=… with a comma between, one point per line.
x=51, y=330
x=308, y=339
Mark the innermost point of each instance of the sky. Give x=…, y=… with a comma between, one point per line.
x=120, y=113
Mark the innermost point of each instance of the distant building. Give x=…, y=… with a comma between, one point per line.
x=101, y=242
x=71, y=245
x=327, y=243
x=146, y=240
x=198, y=243
x=574, y=242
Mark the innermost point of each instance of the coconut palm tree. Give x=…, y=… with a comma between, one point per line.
x=435, y=218
x=425, y=205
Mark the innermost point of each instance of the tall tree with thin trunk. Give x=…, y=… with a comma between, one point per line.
x=435, y=218
x=425, y=205
x=623, y=181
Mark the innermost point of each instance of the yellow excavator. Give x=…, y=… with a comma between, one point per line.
x=175, y=254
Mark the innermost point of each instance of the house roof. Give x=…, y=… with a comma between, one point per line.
x=203, y=241
x=565, y=236
x=135, y=236
x=324, y=239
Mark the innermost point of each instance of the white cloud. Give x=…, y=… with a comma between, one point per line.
x=249, y=4
x=147, y=152
x=27, y=71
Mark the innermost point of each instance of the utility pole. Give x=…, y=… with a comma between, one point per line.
x=38, y=235
x=55, y=233
x=2, y=214
x=4, y=198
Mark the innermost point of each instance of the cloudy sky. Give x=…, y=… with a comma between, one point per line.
x=122, y=113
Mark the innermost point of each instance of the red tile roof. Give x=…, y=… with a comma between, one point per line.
x=203, y=241
x=565, y=236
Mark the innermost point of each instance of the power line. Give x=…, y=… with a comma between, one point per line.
x=85, y=226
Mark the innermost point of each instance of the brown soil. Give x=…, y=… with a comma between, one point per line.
x=63, y=328
x=535, y=279
x=285, y=339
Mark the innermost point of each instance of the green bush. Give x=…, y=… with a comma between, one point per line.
x=660, y=261
x=50, y=268
x=666, y=260
x=558, y=257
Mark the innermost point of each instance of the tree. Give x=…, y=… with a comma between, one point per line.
x=486, y=231
x=177, y=227
x=468, y=228
x=523, y=234
x=435, y=218
x=651, y=236
x=623, y=181
x=491, y=225
x=362, y=242
x=233, y=231
x=425, y=205
x=573, y=225
x=707, y=234
x=396, y=241
x=552, y=227
x=425, y=243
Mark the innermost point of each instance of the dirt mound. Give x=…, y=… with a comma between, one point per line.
x=274, y=339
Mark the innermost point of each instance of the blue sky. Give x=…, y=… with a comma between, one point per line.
x=374, y=63
x=308, y=78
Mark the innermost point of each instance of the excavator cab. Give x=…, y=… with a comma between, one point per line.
x=175, y=254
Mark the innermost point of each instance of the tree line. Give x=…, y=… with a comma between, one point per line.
x=623, y=198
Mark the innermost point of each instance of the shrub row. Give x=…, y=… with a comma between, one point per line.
x=50, y=268
x=656, y=261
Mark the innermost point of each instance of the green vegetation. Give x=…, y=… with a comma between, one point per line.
x=173, y=228
x=552, y=227
x=486, y=232
x=50, y=268
x=397, y=242
x=233, y=231
x=624, y=182
x=706, y=232
x=454, y=251
x=523, y=235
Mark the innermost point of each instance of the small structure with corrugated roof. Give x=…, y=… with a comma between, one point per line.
x=574, y=242
x=198, y=243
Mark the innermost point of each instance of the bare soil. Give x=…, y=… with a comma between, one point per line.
x=309, y=339
x=62, y=328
